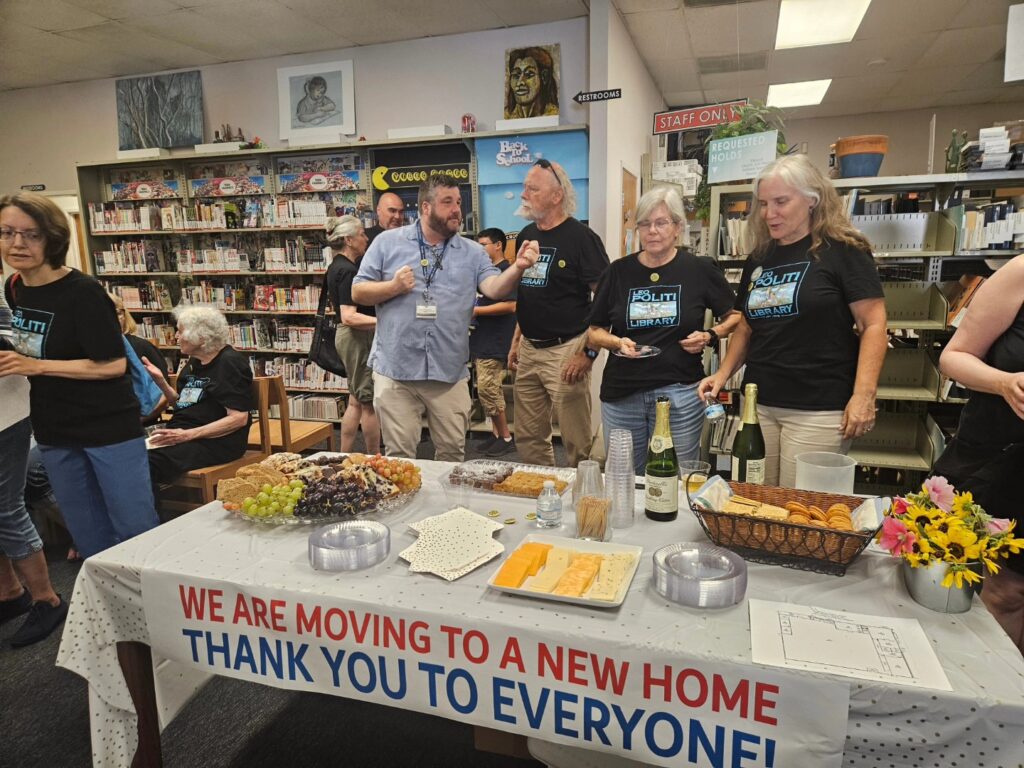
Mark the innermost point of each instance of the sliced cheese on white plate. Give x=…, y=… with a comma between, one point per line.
x=610, y=577
x=556, y=565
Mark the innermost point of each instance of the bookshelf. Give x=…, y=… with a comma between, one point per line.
x=921, y=254
x=243, y=231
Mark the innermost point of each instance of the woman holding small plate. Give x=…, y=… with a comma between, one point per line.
x=649, y=311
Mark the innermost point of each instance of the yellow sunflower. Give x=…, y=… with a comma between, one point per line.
x=957, y=574
x=963, y=503
x=960, y=543
x=922, y=516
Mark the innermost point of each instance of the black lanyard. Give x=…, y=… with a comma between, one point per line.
x=428, y=277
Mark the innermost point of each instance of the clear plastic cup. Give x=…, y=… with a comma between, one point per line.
x=694, y=474
x=825, y=472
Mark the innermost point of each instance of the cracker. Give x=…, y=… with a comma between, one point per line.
x=235, y=490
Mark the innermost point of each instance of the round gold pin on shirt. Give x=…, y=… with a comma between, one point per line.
x=561, y=263
x=655, y=277
x=424, y=262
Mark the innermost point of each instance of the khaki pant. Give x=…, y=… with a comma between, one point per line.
x=490, y=374
x=789, y=432
x=539, y=391
x=400, y=406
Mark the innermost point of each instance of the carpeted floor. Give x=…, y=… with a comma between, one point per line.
x=45, y=719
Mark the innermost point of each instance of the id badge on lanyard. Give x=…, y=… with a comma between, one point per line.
x=426, y=307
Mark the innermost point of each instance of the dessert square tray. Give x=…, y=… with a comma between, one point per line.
x=487, y=475
x=583, y=547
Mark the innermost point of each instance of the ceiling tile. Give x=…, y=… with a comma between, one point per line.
x=133, y=42
x=49, y=15
x=685, y=98
x=127, y=9
x=848, y=59
x=980, y=13
x=673, y=74
x=758, y=92
x=224, y=41
x=659, y=32
x=734, y=80
x=748, y=27
x=965, y=46
x=988, y=75
x=521, y=12
x=863, y=88
x=885, y=18
x=970, y=96
x=930, y=80
x=281, y=30
x=641, y=6
x=11, y=78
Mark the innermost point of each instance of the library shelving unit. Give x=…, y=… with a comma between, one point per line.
x=244, y=232
x=919, y=255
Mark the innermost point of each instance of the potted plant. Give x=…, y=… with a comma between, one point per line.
x=946, y=542
x=754, y=118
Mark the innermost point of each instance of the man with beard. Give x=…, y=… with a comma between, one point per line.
x=390, y=210
x=423, y=278
x=549, y=349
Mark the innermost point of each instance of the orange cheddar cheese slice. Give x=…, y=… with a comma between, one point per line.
x=514, y=571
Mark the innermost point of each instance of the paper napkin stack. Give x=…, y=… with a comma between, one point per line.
x=452, y=544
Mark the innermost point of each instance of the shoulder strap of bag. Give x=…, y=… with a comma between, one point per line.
x=324, y=298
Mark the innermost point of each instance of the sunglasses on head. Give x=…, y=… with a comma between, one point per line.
x=545, y=163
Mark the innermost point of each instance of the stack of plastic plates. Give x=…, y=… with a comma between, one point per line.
x=349, y=545
x=700, y=575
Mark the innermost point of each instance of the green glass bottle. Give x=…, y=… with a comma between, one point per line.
x=748, y=447
x=661, y=499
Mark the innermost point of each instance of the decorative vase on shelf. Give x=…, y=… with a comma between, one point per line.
x=925, y=585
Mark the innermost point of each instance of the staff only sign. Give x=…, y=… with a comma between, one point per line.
x=691, y=118
x=638, y=702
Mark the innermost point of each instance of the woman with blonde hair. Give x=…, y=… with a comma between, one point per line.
x=812, y=331
x=356, y=326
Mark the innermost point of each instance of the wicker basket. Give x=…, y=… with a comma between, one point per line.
x=791, y=545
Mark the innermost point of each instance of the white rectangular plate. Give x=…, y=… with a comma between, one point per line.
x=578, y=545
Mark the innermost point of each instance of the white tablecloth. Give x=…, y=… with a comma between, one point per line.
x=982, y=719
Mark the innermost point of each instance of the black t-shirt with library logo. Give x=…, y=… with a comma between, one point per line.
x=553, y=300
x=803, y=347
x=205, y=392
x=72, y=318
x=658, y=306
x=339, y=285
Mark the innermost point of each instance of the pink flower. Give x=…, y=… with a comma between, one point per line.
x=997, y=525
x=899, y=506
x=895, y=537
x=940, y=492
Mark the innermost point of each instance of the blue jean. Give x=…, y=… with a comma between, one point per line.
x=18, y=537
x=103, y=492
x=637, y=414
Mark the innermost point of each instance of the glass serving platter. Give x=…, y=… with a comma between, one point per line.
x=485, y=474
x=384, y=506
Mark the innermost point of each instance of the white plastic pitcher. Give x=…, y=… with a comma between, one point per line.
x=825, y=472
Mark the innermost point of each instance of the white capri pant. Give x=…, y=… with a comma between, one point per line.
x=789, y=432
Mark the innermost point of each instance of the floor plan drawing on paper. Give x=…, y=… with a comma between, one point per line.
x=815, y=639
x=827, y=638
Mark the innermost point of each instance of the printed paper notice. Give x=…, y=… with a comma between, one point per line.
x=849, y=644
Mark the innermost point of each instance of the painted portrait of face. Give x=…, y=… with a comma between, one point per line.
x=531, y=81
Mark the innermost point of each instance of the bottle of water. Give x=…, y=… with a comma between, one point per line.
x=549, y=507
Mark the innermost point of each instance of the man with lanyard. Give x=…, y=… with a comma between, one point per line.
x=423, y=278
x=390, y=211
x=549, y=349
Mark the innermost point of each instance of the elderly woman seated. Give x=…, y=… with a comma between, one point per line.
x=210, y=421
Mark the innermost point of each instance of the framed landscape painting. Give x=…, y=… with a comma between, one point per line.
x=316, y=100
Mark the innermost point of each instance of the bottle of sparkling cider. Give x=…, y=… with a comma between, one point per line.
x=748, y=447
x=661, y=499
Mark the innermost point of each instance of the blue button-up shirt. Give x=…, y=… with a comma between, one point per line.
x=404, y=347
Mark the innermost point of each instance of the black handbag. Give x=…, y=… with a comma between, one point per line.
x=322, y=351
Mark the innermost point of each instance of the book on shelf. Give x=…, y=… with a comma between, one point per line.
x=963, y=293
x=298, y=373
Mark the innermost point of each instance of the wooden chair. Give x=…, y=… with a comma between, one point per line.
x=286, y=433
x=204, y=480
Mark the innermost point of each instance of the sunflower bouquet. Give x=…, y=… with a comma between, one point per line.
x=940, y=525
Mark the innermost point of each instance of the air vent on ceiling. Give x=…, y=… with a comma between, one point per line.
x=714, y=65
x=713, y=3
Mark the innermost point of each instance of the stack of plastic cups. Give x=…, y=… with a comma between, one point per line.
x=619, y=478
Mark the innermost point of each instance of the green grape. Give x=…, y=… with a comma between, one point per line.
x=263, y=497
x=249, y=501
x=267, y=488
x=296, y=494
x=296, y=483
x=275, y=507
x=289, y=509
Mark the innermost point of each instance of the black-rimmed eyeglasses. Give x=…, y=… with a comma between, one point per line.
x=543, y=162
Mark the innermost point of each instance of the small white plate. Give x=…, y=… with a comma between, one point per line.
x=577, y=545
x=644, y=350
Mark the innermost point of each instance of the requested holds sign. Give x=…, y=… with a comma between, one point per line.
x=643, y=703
x=740, y=157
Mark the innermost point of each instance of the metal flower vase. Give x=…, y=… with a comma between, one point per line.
x=925, y=585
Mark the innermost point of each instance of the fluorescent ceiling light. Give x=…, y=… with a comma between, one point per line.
x=797, y=94
x=818, y=22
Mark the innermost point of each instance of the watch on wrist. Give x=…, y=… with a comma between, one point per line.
x=591, y=353
x=714, y=336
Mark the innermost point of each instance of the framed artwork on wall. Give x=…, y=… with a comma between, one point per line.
x=531, y=81
x=316, y=100
x=159, y=111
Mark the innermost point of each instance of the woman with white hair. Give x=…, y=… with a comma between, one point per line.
x=812, y=332
x=658, y=298
x=356, y=325
x=211, y=405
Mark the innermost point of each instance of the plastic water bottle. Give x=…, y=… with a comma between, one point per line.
x=549, y=507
